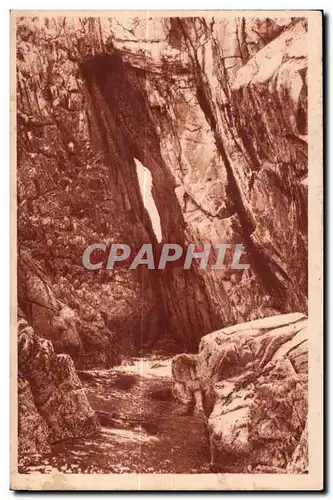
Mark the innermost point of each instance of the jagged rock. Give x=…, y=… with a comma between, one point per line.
x=186, y=382
x=254, y=392
x=52, y=403
x=33, y=432
x=222, y=150
x=299, y=461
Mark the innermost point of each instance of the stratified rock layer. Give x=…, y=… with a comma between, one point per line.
x=253, y=383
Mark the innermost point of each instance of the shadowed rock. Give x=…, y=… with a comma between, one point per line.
x=52, y=403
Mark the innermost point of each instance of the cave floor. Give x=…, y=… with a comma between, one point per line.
x=143, y=428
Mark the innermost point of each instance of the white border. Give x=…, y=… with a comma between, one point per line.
x=5, y=177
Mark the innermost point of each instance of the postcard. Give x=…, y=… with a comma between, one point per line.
x=167, y=250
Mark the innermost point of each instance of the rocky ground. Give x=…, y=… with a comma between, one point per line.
x=238, y=406
x=143, y=428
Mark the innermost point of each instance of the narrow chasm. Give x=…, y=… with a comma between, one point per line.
x=123, y=128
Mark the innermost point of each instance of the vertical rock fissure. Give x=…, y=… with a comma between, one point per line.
x=122, y=89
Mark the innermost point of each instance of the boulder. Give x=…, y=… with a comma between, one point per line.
x=51, y=401
x=253, y=383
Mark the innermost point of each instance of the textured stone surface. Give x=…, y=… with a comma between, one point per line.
x=254, y=394
x=33, y=433
x=185, y=378
x=52, y=404
x=198, y=101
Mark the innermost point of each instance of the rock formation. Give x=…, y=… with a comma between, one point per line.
x=51, y=401
x=216, y=109
x=252, y=379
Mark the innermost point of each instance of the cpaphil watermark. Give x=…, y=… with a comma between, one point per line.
x=217, y=256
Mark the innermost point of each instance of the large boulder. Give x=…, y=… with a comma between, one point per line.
x=253, y=383
x=52, y=404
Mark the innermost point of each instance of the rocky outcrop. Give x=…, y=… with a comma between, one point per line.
x=252, y=378
x=52, y=404
x=216, y=109
x=33, y=433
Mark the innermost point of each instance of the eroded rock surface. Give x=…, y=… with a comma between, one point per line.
x=216, y=109
x=52, y=404
x=253, y=383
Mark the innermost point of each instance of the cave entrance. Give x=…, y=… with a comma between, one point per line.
x=146, y=184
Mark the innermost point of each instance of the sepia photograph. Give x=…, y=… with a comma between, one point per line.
x=167, y=262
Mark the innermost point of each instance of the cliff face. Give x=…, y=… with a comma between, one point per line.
x=216, y=109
